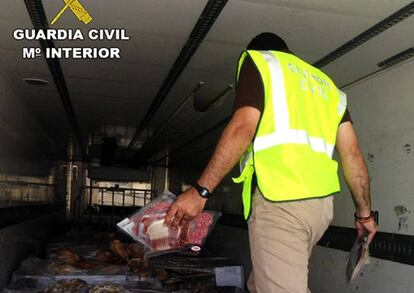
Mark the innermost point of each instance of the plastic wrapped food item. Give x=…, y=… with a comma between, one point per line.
x=44, y=270
x=119, y=249
x=357, y=258
x=108, y=289
x=86, y=251
x=161, y=237
x=107, y=257
x=135, y=250
x=147, y=226
x=38, y=268
x=136, y=226
x=69, y=286
x=68, y=256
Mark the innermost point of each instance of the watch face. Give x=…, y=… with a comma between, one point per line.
x=204, y=192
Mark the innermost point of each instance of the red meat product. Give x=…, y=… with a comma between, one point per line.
x=196, y=230
x=156, y=212
x=163, y=238
x=160, y=207
x=147, y=226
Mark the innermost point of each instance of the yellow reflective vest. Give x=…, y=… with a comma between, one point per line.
x=291, y=153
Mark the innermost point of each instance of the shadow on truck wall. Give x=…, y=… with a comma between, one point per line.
x=18, y=241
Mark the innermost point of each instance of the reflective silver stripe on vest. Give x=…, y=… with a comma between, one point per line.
x=246, y=158
x=342, y=102
x=280, y=107
x=317, y=144
x=284, y=134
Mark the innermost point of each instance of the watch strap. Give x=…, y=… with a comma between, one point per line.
x=203, y=191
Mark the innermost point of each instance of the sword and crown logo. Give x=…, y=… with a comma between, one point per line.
x=77, y=8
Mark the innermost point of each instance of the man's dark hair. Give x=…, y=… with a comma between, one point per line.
x=268, y=41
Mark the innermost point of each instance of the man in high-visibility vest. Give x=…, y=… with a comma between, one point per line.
x=289, y=116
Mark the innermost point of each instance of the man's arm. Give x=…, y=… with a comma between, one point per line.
x=356, y=176
x=233, y=143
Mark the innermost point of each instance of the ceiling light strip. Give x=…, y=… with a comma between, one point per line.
x=215, y=100
x=207, y=18
x=384, y=65
x=398, y=58
x=38, y=17
x=373, y=31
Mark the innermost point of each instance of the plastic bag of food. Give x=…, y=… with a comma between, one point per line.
x=136, y=225
x=36, y=268
x=357, y=258
x=147, y=226
x=87, y=252
x=68, y=286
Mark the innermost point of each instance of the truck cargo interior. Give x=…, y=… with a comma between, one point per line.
x=127, y=99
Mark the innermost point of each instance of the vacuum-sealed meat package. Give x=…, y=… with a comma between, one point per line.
x=147, y=226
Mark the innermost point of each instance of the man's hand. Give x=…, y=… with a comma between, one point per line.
x=188, y=205
x=368, y=228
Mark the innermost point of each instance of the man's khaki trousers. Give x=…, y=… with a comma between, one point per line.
x=281, y=237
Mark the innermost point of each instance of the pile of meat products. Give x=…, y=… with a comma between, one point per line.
x=121, y=267
x=66, y=270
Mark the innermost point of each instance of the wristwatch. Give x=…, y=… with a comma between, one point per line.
x=204, y=192
x=365, y=219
